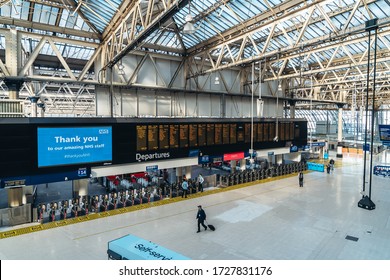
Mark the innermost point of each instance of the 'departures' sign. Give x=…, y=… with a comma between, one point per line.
x=74, y=145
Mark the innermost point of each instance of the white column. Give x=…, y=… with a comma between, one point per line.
x=340, y=133
x=233, y=165
x=188, y=170
x=243, y=164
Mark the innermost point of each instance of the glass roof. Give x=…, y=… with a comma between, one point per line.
x=213, y=20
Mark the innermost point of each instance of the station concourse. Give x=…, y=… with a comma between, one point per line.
x=273, y=219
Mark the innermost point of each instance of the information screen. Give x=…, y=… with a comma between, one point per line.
x=183, y=135
x=152, y=137
x=271, y=130
x=74, y=145
x=174, y=136
x=225, y=133
x=260, y=132
x=210, y=134
x=163, y=139
x=233, y=133
x=247, y=133
x=141, y=138
x=202, y=135
x=384, y=132
x=266, y=132
x=193, y=135
x=240, y=133
x=218, y=134
x=282, y=130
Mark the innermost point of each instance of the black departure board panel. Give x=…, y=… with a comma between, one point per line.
x=260, y=133
x=202, y=135
x=225, y=133
x=163, y=136
x=174, y=136
x=271, y=131
x=218, y=134
x=282, y=131
x=142, y=140
x=233, y=133
x=193, y=135
x=210, y=134
x=153, y=137
x=167, y=136
x=183, y=136
x=240, y=133
x=266, y=132
x=247, y=132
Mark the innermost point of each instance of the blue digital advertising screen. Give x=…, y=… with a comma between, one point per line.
x=74, y=145
x=384, y=132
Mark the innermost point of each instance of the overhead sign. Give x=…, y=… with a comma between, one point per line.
x=151, y=168
x=233, y=156
x=384, y=132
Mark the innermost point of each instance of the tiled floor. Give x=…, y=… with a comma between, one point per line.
x=275, y=220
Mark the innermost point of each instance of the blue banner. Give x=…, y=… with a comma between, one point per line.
x=315, y=166
x=75, y=145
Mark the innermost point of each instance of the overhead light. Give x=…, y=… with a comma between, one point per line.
x=216, y=81
x=120, y=68
x=189, y=27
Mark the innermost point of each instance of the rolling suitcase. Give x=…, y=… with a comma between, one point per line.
x=210, y=226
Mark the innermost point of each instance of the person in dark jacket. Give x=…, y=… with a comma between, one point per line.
x=300, y=176
x=201, y=217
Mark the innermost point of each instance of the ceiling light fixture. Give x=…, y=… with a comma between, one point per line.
x=189, y=27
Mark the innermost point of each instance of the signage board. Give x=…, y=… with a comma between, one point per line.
x=74, y=145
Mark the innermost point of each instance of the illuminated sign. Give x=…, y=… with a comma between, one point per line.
x=233, y=156
x=384, y=132
x=74, y=145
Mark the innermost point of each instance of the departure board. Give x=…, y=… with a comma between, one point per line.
x=218, y=134
x=202, y=135
x=260, y=132
x=183, y=136
x=233, y=133
x=297, y=131
x=163, y=139
x=291, y=135
x=141, y=138
x=153, y=137
x=174, y=136
x=193, y=135
x=225, y=133
x=247, y=132
x=240, y=133
x=266, y=132
x=210, y=134
x=271, y=131
x=282, y=131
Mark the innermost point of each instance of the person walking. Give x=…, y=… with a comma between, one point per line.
x=201, y=217
x=300, y=178
x=184, y=186
x=331, y=163
x=200, y=181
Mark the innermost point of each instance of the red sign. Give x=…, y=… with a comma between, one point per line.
x=233, y=156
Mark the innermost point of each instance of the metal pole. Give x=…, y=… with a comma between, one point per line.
x=253, y=90
x=365, y=131
x=373, y=111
